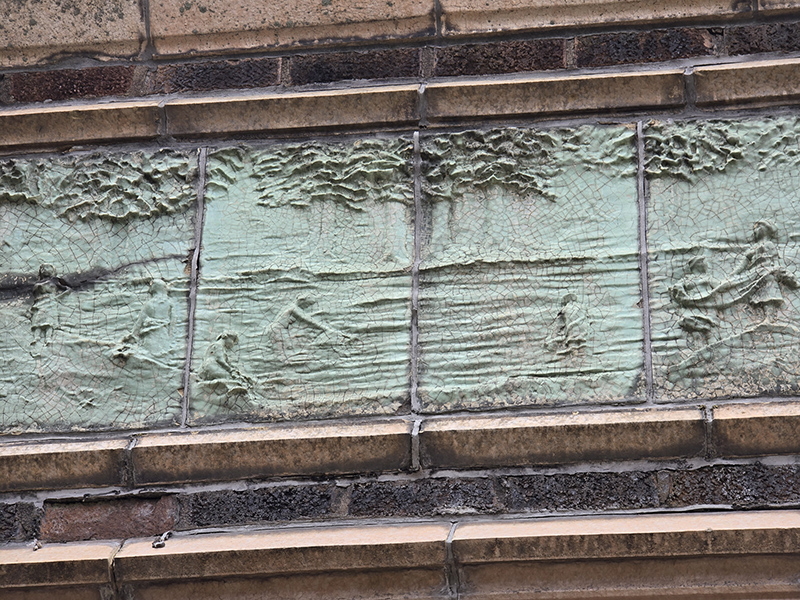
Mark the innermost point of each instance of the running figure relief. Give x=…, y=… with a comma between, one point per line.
x=715, y=314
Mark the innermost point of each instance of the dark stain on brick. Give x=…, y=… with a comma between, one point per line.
x=217, y=75
x=752, y=39
x=93, y=82
x=285, y=503
x=108, y=519
x=580, y=491
x=8, y=522
x=743, y=486
x=18, y=522
x=646, y=46
x=423, y=497
x=343, y=66
x=500, y=57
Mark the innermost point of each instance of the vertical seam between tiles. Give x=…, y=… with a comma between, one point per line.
x=451, y=569
x=415, y=405
x=149, y=46
x=642, y=197
x=195, y=268
x=437, y=15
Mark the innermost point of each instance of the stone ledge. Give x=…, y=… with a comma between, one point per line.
x=271, y=452
x=466, y=442
x=756, y=429
x=80, y=563
x=756, y=83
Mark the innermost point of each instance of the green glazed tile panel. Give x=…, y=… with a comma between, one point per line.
x=529, y=285
x=93, y=311
x=724, y=241
x=304, y=295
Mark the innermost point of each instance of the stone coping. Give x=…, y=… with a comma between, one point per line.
x=474, y=559
x=754, y=83
x=446, y=442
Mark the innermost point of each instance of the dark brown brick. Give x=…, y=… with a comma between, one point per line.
x=500, y=57
x=93, y=82
x=108, y=519
x=217, y=75
x=341, y=66
x=284, y=503
x=18, y=522
x=644, y=46
x=751, y=39
x=423, y=497
x=580, y=491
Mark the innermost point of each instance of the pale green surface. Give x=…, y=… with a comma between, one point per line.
x=306, y=258
x=96, y=350
x=727, y=324
x=529, y=287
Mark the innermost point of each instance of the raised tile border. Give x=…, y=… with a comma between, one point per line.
x=703, y=554
x=755, y=83
x=385, y=446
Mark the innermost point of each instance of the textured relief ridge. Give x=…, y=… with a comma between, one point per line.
x=92, y=290
x=724, y=259
x=303, y=302
x=529, y=283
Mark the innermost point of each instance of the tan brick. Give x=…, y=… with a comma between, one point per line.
x=255, y=113
x=462, y=17
x=272, y=451
x=61, y=465
x=108, y=519
x=284, y=551
x=750, y=83
x=772, y=6
x=56, y=564
x=48, y=126
x=204, y=26
x=62, y=593
x=543, y=95
x=756, y=429
x=466, y=442
x=31, y=30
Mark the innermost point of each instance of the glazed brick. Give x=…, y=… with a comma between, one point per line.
x=776, y=37
x=93, y=82
x=500, y=57
x=108, y=519
x=217, y=75
x=742, y=486
x=646, y=46
x=580, y=491
x=284, y=503
x=423, y=497
x=342, y=66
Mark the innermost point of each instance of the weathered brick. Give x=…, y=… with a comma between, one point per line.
x=580, y=491
x=284, y=503
x=216, y=75
x=775, y=37
x=18, y=521
x=8, y=522
x=645, y=46
x=423, y=497
x=93, y=82
x=500, y=57
x=340, y=66
x=743, y=486
x=108, y=519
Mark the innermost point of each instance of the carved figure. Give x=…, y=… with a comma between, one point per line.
x=297, y=311
x=692, y=291
x=43, y=312
x=152, y=331
x=571, y=335
x=218, y=368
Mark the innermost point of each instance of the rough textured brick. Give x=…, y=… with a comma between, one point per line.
x=18, y=521
x=339, y=66
x=284, y=503
x=580, y=491
x=500, y=57
x=93, y=82
x=8, y=522
x=217, y=75
x=751, y=39
x=423, y=497
x=743, y=486
x=108, y=519
x=646, y=46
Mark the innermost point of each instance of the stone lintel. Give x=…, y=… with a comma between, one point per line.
x=757, y=83
x=756, y=429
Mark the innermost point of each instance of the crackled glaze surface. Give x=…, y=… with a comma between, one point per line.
x=304, y=296
x=724, y=241
x=93, y=312
x=529, y=284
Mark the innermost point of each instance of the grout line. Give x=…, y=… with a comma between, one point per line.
x=690, y=88
x=415, y=458
x=128, y=473
x=149, y=48
x=451, y=569
x=195, y=269
x=415, y=403
x=708, y=423
x=642, y=194
x=437, y=13
x=112, y=570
